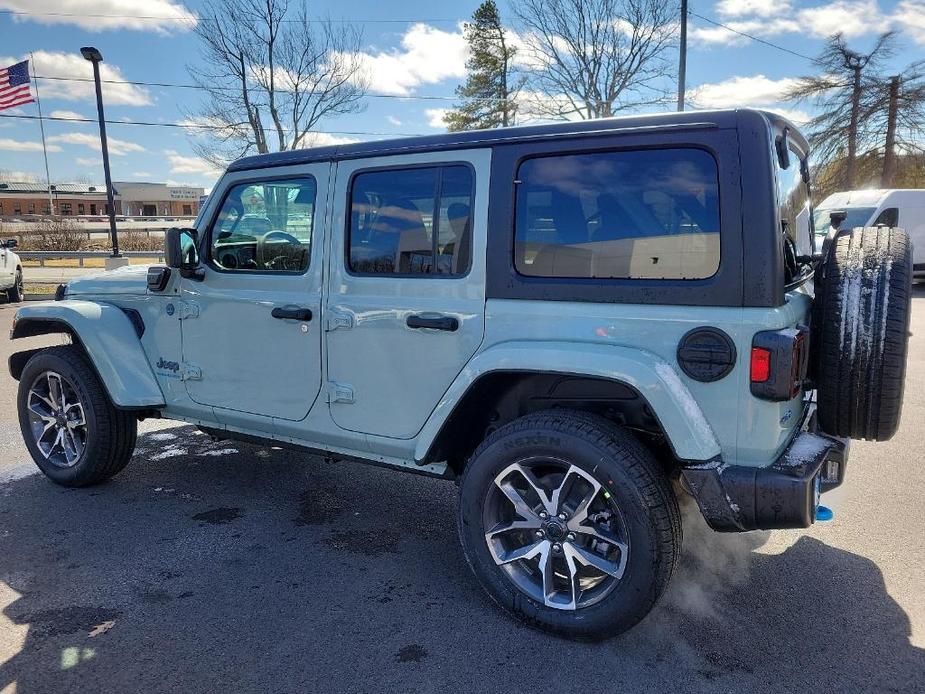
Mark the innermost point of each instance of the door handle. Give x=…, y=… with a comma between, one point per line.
x=434, y=323
x=292, y=313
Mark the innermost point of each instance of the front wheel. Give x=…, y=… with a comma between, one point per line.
x=569, y=524
x=71, y=428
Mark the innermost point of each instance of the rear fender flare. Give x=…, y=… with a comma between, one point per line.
x=688, y=431
x=109, y=339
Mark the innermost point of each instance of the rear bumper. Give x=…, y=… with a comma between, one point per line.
x=736, y=498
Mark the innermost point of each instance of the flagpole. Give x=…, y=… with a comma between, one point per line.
x=38, y=102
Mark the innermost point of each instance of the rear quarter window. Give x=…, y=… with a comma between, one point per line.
x=637, y=214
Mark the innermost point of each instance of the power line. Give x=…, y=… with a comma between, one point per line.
x=163, y=18
x=178, y=85
x=750, y=36
x=202, y=126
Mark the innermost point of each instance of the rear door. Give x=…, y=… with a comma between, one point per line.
x=406, y=288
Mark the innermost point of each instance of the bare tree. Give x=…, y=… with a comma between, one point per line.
x=271, y=75
x=898, y=109
x=843, y=90
x=592, y=58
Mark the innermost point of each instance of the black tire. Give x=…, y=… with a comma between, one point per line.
x=861, y=332
x=637, y=487
x=15, y=293
x=109, y=435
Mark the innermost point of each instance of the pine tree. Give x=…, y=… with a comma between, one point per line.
x=488, y=98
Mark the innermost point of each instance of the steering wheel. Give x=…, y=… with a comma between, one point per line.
x=263, y=249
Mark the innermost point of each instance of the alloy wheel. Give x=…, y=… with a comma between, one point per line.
x=556, y=531
x=57, y=419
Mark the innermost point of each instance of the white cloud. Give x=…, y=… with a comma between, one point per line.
x=99, y=15
x=427, y=55
x=18, y=176
x=89, y=161
x=851, y=18
x=11, y=145
x=324, y=140
x=435, y=117
x=910, y=16
x=183, y=164
x=393, y=120
x=756, y=91
x=141, y=174
x=760, y=8
x=741, y=91
x=69, y=65
x=116, y=147
x=69, y=115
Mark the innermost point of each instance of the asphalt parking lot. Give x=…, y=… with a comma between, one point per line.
x=209, y=566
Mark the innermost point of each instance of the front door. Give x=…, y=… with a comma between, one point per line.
x=406, y=295
x=252, y=326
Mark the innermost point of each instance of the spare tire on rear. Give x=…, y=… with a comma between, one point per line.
x=861, y=330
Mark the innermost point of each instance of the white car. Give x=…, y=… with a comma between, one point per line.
x=10, y=271
x=870, y=208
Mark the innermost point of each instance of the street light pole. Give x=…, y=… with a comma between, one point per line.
x=95, y=57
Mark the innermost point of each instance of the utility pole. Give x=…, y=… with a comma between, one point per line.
x=95, y=57
x=682, y=59
x=889, y=150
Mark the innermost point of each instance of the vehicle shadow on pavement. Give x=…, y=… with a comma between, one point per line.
x=216, y=565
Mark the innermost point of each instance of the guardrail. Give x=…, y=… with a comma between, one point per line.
x=80, y=256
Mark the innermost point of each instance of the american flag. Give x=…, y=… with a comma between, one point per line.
x=14, y=86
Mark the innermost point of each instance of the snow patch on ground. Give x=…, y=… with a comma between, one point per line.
x=219, y=451
x=17, y=472
x=161, y=436
x=169, y=452
x=686, y=401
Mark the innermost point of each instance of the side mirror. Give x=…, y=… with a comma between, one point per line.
x=782, y=144
x=10, y=243
x=181, y=252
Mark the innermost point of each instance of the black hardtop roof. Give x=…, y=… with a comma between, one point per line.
x=486, y=138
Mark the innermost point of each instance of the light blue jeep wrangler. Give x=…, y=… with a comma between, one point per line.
x=578, y=322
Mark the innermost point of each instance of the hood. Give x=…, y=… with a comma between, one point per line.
x=130, y=279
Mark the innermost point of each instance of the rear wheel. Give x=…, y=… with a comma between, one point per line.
x=861, y=331
x=72, y=430
x=15, y=293
x=569, y=524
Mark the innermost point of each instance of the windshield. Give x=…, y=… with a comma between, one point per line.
x=857, y=217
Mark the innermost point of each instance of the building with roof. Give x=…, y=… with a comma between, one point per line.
x=69, y=199
x=24, y=199
x=158, y=199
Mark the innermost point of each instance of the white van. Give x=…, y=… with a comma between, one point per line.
x=892, y=208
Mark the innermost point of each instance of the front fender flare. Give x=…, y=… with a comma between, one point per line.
x=676, y=409
x=110, y=340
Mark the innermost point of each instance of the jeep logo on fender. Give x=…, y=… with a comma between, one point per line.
x=168, y=365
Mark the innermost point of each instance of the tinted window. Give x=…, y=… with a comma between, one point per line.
x=411, y=221
x=635, y=214
x=888, y=218
x=265, y=226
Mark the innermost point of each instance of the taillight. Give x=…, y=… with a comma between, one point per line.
x=761, y=365
x=779, y=361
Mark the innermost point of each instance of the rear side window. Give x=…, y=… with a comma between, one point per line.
x=888, y=218
x=643, y=214
x=415, y=221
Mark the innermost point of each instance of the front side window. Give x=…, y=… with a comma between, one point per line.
x=415, y=221
x=265, y=226
x=643, y=214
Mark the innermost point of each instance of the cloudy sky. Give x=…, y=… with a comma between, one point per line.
x=412, y=49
